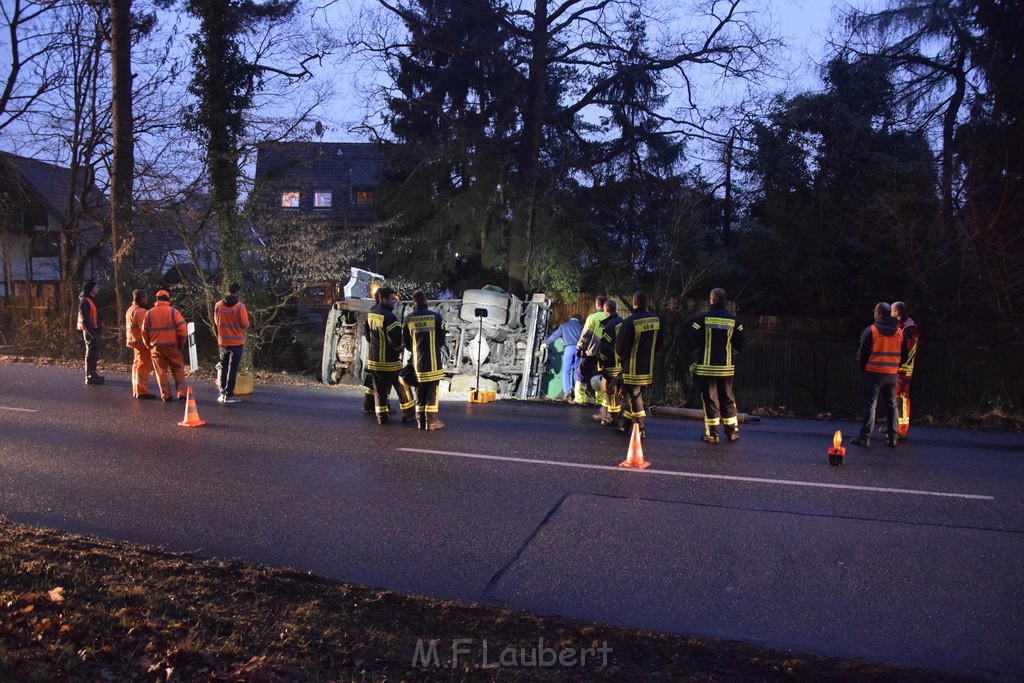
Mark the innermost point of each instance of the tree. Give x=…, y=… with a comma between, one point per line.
x=846, y=202
x=30, y=42
x=565, y=59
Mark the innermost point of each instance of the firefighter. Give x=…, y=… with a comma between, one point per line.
x=143, y=364
x=587, y=348
x=906, y=370
x=231, y=318
x=636, y=343
x=91, y=325
x=384, y=358
x=163, y=330
x=610, y=368
x=881, y=354
x=716, y=336
x=423, y=335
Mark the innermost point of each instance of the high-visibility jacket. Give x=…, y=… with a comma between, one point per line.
x=133, y=320
x=716, y=336
x=590, y=339
x=910, y=337
x=886, y=352
x=231, y=319
x=424, y=334
x=383, y=335
x=88, y=314
x=636, y=343
x=164, y=326
x=607, y=359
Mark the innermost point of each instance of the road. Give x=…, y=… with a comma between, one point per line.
x=912, y=556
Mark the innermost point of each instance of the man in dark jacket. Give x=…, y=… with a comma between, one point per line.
x=880, y=355
x=383, y=335
x=423, y=334
x=610, y=367
x=716, y=336
x=91, y=325
x=569, y=332
x=637, y=342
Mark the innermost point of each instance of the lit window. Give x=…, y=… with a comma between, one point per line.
x=364, y=196
x=322, y=200
x=289, y=200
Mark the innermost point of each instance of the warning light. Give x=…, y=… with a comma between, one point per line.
x=836, y=453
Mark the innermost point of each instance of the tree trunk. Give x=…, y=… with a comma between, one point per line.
x=520, y=249
x=121, y=176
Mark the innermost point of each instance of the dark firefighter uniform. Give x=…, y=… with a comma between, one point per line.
x=636, y=343
x=383, y=335
x=424, y=334
x=904, y=375
x=610, y=367
x=716, y=336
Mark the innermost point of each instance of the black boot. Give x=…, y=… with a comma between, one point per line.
x=421, y=420
x=409, y=415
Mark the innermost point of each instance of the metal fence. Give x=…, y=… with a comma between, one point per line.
x=808, y=366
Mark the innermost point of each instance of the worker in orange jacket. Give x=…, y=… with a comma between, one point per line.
x=163, y=330
x=143, y=364
x=231, y=319
x=881, y=353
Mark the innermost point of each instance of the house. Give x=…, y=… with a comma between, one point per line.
x=37, y=202
x=332, y=182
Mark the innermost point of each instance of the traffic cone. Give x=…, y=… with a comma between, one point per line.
x=191, y=414
x=635, y=454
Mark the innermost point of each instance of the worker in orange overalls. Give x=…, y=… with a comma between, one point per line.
x=163, y=330
x=231, y=319
x=143, y=364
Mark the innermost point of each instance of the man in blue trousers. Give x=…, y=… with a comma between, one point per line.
x=569, y=332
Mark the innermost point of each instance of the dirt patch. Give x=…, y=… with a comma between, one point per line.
x=80, y=608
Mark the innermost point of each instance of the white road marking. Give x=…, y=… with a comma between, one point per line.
x=700, y=475
x=19, y=410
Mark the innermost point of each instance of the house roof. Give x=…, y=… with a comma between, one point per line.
x=53, y=183
x=359, y=163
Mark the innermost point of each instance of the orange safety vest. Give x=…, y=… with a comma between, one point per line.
x=885, y=352
x=231, y=322
x=133, y=325
x=164, y=326
x=93, y=323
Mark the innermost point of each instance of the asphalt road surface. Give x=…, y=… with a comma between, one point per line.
x=909, y=556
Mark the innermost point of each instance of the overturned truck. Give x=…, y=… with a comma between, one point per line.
x=505, y=333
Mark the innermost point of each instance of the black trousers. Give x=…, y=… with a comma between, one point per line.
x=634, y=398
x=382, y=382
x=426, y=397
x=719, y=404
x=230, y=359
x=92, y=352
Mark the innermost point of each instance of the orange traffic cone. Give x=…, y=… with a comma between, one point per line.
x=635, y=454
x=191, y=414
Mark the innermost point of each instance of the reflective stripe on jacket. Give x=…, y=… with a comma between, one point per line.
x=133, y=320
x=164, y=326
x=716, y=336
x=910, y=338
x=231, y=322
x=383, y=335
x=424, y=333
x=885, y=352
x=636, y=343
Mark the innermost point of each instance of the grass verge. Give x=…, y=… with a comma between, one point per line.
x=86, y=609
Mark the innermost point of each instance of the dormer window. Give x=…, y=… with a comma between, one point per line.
x=321, y=200
x=362, y=196
x=289, y=200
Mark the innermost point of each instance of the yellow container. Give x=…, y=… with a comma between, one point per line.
x=243, y=383
x=482, y=396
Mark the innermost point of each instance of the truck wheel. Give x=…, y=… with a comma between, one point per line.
x=496, y=304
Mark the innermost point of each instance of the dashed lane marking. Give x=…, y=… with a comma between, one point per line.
x=701, y=475
x=19, y=410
